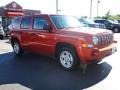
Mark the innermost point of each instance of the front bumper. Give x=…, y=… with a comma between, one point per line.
x=90, y=55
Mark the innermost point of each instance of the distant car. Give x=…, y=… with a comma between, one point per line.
x=7, y=31
x=118, y=21
x=2, y=33
x=91, y=23
x=109, y=24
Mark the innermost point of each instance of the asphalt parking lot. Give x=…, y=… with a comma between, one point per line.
x=39, y=72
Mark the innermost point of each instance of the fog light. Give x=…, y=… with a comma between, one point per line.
x=87, y=46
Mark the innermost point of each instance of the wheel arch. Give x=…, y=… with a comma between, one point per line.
x=14, y=39
x=71, y=47
x=116, y=27
x=61, y=44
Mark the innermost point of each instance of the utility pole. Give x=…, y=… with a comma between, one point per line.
x=91, y=8
x=98, y=1
x=57, y=7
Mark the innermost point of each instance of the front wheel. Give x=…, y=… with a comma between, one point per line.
x=17, y=49
x=115, y=30
x=68, y=58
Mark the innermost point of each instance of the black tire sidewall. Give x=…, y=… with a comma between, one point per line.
x=1, y=37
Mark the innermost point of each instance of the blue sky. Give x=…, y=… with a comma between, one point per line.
x=73, y=7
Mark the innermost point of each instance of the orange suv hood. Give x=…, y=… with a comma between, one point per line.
x=85, y=30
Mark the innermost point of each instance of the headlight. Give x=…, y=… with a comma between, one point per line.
x=95, y=40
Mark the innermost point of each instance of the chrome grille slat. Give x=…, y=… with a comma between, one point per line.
x=108, y=38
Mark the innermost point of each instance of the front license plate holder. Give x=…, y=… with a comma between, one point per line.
x=114, y=50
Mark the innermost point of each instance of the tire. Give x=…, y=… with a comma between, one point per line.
x=116, y=30
x=18, y=51
x=1, y=37
x=96, y=62
x=68, y=58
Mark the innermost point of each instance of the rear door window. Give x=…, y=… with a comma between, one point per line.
x=99, y=21
x=26, y=22
x=39, y=22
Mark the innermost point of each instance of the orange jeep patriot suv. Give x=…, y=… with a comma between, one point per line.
x=61, y=36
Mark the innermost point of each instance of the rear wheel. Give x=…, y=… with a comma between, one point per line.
x=1, y=37
x=17, y=48
x=68, y=58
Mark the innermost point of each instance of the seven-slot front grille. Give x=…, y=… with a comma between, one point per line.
x=105, y=39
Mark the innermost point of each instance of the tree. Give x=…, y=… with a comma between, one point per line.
x=107, y=15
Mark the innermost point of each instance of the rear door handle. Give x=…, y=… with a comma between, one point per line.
x=33, y=34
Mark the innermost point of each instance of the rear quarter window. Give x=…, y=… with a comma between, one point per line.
x=99, y=21
x=15, y=23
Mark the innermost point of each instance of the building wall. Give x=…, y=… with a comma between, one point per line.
x=12, y=10
x=31, y=12
x=2, y=11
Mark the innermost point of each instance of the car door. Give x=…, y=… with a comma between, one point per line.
x=108, y=24
x=43, y=40
x=25, y=28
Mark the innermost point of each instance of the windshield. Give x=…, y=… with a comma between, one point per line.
x=62, y=21
x=112, y=21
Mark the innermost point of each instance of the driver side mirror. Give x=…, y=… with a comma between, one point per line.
x=47, y=27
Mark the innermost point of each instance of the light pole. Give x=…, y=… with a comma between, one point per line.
x=57, y=7
x=91, y=8
x=98, y=1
